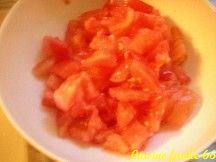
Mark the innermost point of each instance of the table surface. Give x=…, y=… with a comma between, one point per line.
x=13, y=148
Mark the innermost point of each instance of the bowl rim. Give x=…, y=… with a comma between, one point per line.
x=24, y=134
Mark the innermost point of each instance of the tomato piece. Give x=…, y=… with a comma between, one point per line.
x=180, y=106
x=114, y=142
x=101, y=136
x=53, y=82
x=144, y=40
x=89, y=87
x=98, y=14
x=66, y=68
x=128, y=95
x=107, y=109
x=152, y=114
x=65, y=95
x=110, y=4
x=143, y=20
x=178, y=52
x=120, y=22
x=44, y=67
x=101, y=58
x=160, y=55
x=93, y=26
x=181, y=75
x=56, y=48
x=79, y=40
x=80, y=131
x=121, y=73
x=103, y=42
x=63, y=121
x=136, y=135
x=95, y=123
x=80, y=108
x=142, y=72
x=174, y=74
x=100, y=77
x=141, y=6
x=125, y=114
x=48, y=100
x=72, y=27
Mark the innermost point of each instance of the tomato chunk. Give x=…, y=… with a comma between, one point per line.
x=115, y=143
x=65, y=95
x=125, y=114
x=181, y=104
x=56, y=48
x=141, y=6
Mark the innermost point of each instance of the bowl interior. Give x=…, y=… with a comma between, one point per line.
x=20, y=91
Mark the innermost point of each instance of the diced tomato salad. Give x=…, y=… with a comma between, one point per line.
x=117, y=77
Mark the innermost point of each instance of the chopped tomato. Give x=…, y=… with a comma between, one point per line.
x=121, y=73
x=116, y=143
x=178, y=50
x=48, y=99
x=66, y=68
x=93, y=26
x=44, y=67
x=125, y=114
x=117, y=76
x=71, y=29
x=180, y=106
x=120, y=21
x=65, y=95
x=56, y=48
x=102, y=59
x=144, y=40
x=53, y=82
x=142, y=73
x=141, y=6
x=136, y=135
x=128, y=95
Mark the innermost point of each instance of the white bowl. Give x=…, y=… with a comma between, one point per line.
x=20, y=92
